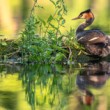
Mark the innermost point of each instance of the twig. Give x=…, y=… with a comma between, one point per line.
x=70, y=53
x=33, y=8
x=10, y=54
x=49, y=23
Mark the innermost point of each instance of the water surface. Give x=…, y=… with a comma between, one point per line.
x=55, y=87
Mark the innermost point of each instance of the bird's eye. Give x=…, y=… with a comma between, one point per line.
x=80, y=15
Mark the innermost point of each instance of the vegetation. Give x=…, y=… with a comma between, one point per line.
x=49, y=45
x=42, y=40
x=46, y=85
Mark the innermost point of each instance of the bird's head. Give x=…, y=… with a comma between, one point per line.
x=85, y=15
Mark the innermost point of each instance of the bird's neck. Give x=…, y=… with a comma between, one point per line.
x=82, y=26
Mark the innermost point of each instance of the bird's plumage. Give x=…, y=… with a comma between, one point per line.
x=91, y=37
x=95, y=41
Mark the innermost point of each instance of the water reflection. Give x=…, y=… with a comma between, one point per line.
x=55, y=87
x=47, y=86
x=94, y=75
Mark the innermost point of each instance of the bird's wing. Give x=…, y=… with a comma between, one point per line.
x=92, y=37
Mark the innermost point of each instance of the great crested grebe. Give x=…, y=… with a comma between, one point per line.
x=95, y=42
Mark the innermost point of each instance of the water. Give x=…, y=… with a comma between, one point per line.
x=55, y=87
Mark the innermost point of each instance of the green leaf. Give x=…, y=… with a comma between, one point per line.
x=59, y=56
x=59, y=12
x=63, y=21
x=41, y=20
x=50, y=18
x=53, y=26
x=3, y=43
x=40, y=6
x=65, y=9
x=60, y=38
x=58, y=2
x=53, y=2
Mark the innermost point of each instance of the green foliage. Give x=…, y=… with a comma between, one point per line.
x=3, y=43
x=57, y=17
x=8, y=49
x=49, y=45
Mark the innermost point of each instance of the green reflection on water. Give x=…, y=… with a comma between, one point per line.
x=55, y=87
x=47, y=86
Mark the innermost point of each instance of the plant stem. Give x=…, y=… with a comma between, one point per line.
x=35, y=2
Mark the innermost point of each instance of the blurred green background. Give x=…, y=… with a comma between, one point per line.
x=14, y=12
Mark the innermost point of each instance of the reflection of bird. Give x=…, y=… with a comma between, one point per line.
x=86, y=98
x=94, y=41
x=93, y=75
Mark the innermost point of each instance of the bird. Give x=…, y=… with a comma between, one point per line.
x=95, y=42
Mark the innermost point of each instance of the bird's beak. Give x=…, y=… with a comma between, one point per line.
x=76, y=18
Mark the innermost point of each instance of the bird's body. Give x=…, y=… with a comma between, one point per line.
x=91, y=36
x=95, y=41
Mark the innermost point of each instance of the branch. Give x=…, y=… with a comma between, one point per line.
x=35, y=2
